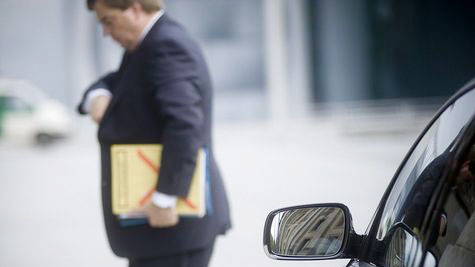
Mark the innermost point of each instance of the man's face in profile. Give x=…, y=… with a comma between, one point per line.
x=121, y=25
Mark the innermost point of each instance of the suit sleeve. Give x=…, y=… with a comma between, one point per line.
x=106, y=82
x=172, y=76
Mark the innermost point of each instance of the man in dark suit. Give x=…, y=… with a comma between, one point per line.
x=161, y=94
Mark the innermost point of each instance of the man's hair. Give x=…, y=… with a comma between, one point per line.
x=147, y=5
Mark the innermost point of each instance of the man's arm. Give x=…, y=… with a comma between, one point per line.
x=96, y=103
x=183, y=117
x=171, y=74
x=102, y=87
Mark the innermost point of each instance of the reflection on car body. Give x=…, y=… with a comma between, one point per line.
x=425, y=218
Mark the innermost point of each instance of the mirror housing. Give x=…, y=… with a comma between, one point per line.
x=311, y=232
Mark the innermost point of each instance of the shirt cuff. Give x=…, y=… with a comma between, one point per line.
x=92, y=95
x=163, y=200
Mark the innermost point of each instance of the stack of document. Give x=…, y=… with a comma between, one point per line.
x=135, y=169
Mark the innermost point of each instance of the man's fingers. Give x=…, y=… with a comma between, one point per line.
x=162, y=224
x=138, y=209
x=98, y=107
x=161, y=217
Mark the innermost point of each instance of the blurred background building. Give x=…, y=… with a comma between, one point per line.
x=273, y=58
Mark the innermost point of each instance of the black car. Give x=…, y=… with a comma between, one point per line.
x=426, y=217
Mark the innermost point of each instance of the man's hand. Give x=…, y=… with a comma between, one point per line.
x=98, y=107
x=160, y=217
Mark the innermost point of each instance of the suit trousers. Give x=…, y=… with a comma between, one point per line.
x=194, y=258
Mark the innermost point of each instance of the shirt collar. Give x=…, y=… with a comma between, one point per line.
x=149, y=25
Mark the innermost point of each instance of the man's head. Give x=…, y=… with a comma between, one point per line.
x=124, y=20
x=148, y=5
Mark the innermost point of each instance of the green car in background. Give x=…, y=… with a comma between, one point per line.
x=1, y=114
x=28, y=115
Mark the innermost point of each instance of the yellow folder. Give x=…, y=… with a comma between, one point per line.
x=135, y=171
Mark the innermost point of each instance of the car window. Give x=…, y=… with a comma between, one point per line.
x=15, y=104
x=453, y=228
x=455, y=243
x=418, y=176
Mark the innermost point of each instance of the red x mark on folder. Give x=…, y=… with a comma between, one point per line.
x=156, y=169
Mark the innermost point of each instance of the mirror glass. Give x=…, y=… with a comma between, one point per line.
x=314, y=231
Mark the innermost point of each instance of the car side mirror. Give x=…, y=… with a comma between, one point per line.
x=310, y=232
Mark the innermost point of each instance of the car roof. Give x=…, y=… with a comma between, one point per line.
x=21, y=89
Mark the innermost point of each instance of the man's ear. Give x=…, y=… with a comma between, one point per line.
x=136, y=9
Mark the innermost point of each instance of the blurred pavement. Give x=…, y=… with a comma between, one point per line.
x=50, y=202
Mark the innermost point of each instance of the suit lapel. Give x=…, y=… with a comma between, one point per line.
x=121, y=83
x=126, y=69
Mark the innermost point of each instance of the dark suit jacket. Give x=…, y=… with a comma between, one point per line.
x=162, y=94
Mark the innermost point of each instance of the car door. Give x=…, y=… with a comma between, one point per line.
x=452, y=241
x=420, y=217
x=425, y=218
